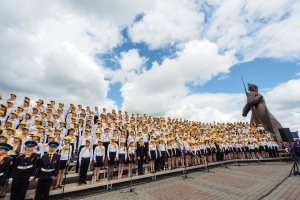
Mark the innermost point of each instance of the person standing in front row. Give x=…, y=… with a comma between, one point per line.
x=112, y=154
x=47, y=171
x=5, y=167
x=98, y=159
x=85, y=159
x=141, y=154
x=23, y=171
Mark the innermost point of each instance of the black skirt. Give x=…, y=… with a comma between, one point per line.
x=63, y=164
x=169, y=155
x=247, y=149
x=174, y=151
x=261, y=148
x=112, y=156
x=198, y=152
x=122, y=158
x=99, y=161
x=131, y=157
x=153, y=155
x=178, y=152
x=213, y=150
x=202, y=151
x=208, y=150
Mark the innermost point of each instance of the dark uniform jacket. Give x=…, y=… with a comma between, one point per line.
x=46, y=166
x=141, y=150
x=25, y=173
x=6, y=165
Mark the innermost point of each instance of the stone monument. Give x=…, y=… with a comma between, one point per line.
x=260, y=113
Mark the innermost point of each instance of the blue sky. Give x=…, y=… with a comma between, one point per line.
x=267, y=73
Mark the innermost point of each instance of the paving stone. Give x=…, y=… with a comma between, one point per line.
x=240, y=182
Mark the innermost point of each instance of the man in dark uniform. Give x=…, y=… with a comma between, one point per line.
x=23, y=171
x=6, y=164
x=158, y=157
x=47, y=171
x=141, y=154
x=218, y=154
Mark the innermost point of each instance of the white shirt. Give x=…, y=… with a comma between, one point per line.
x=82, y=139
x=131, y=150
x=86, y=153
x=162, y=147
x=122, y=151
x=152, y=148
x=112, y=149
x=99, y=151
x=65, y=155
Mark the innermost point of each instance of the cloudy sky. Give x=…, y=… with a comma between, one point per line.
x=181, y=59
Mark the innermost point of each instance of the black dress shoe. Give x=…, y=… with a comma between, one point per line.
x=80, y=183
x=84, y=182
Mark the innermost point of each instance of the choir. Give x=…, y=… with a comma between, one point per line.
x=38, y=142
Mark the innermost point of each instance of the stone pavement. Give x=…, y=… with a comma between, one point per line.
x=240, y=182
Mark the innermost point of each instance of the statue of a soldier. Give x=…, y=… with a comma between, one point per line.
x=260, y=113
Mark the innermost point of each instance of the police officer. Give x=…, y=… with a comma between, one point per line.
x=6, y=164
x=23, y=171
x=47, y=171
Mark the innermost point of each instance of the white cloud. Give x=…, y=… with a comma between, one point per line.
x=170, y=22
x=255, y=29
x=298, y=74
x=155, y=90
x=65, y=74
x=209, y=107
x=131, y=60
x=284, y=103
x=48, y=52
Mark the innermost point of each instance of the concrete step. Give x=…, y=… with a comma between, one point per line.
x=72, y=187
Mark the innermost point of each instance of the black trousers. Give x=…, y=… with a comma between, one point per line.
x=157, y=162
x=77, y=164
x=84, y=169
x=270, y=153
x=147, y=149
x=42, y=189
x=276, y=150
x=19, y=188
x=162, y=160
x=140, y=164
x=219, y=156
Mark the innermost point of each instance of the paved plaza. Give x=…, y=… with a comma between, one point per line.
x=239, y=182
